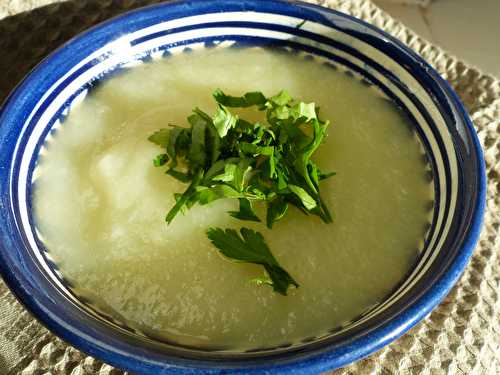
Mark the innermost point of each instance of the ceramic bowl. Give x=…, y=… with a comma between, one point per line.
x=44, y=96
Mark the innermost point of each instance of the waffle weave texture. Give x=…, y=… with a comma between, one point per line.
x=462, y=336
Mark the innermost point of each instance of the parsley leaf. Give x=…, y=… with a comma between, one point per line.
x=160, y=160
x=308, y=201
x=160, y=137
x=245, y=212
x=234, y=175
x=324, y=176
x=224, y=120
x=247, y=100
x=281, y=99
x=276, y=209
x=250, y=247
x=303, y=111
x=207, y=195
x=178, y=143
x=227, y=157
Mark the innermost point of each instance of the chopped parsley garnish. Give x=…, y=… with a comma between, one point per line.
x=225, y=156
x=251, y=248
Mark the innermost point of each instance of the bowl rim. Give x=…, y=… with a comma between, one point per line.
x=316, y=362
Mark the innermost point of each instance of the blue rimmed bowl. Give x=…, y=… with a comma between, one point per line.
x=440, y=120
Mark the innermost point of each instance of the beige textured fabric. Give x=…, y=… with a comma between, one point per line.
x=462, y=336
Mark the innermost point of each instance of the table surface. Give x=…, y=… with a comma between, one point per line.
x=462, y=336
x=441, y=22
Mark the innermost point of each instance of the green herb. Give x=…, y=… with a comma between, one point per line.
x=245, y=212
x=251, y=248
x=224, y=156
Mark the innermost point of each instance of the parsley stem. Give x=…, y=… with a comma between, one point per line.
x=185, y=196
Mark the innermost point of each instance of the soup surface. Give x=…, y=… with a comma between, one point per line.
x=100, y=205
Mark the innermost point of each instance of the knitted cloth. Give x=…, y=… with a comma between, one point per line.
x=462, y=336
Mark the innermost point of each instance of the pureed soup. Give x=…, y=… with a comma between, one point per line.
x=100, y=205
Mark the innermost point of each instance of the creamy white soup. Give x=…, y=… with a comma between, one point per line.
x=100, y=205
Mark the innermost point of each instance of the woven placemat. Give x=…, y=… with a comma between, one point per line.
x=462, y=336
